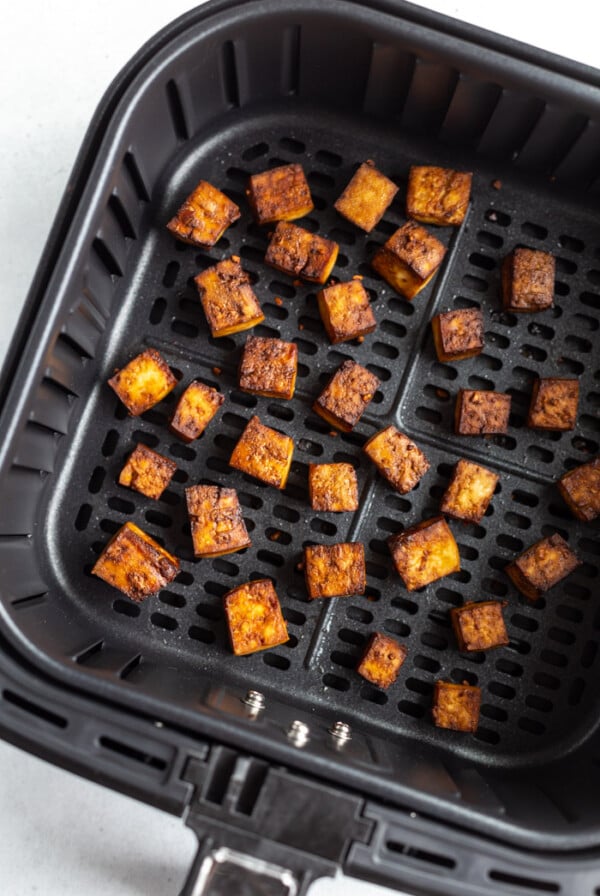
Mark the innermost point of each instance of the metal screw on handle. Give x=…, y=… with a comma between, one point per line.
x=298, y=733
x=254, y=703
x=341, y=733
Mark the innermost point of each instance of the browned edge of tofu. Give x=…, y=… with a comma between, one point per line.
x=527, y=278
x=424, y=553
x=196, y=407
x=409, y=259
x=542, y=566
x=479, y=412
x=228, y=300
x=264, y=453
x=469, y=492
x=438, y=196
x=254, y=618
x=479, y=625
x=366, y=197
x=268, y=367
x=554, y=403
x=299, y=253
x=147, y=472
x=143, y=382
x=279, y=194
x=580, y=489
x=456, y=706
x=346, y=311
x=335, y=570
x=135, y=563
x=204, y=216
x=333, y=488
x=458, y=335
x=381, y=660
x=397, y=458
x=216, y=520
x=346, y=396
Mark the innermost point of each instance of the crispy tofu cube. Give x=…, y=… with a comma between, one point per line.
x=147, y=472
x=554, y=404
x=344, y=399
x=204, y=216
x=333, y=487
x=346, y=311
x=479, y=625
x=299, y=253
x=470, y=492
x=458, y=334
x=281, y=194
x=216, y=519
x=335, y=570
x=479, y=413
x=254, y=617
x=135, y=563
x=528, y=280
x=542, y=566
x=228, y=299
x=580, y=489
x=264, y=453
x=397, y=458
x=142, y=383
x=367, y=197
x=425, y=553
x=269, y=367
x=438, y=195
x=195, y=409
x=382, y=660
x=409, y=259
x=456, y=706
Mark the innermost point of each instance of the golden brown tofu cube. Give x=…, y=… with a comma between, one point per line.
x=397, y=458
x=216, y=519
x=195, y=409
x=264, y=453
x=335, y=570
x=344, y=399
x=228, y=299
x=554, y=404
x=269, y=367
x=281, y=194
x=254, y=617
x=299, y=253
x=542, y=566
x=438, y=195
x=479, y=413
x=580, y=489
x=382, y=660
x=135, y=563
x=147, y=472
x=367, y=197
x=409, y=259
x=142, y=383
x=528, y=280
x=204, y=216
x=333, y=487
x=425, y=553
x=458, y=334
x=479, y=625
x=346, y=311
x=470, y=492
x=456, y=706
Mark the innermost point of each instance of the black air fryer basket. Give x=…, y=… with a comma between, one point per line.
x=148, y=698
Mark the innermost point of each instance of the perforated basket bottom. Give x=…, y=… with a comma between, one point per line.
x=539, y=693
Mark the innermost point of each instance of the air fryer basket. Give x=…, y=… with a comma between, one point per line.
x=231, y=90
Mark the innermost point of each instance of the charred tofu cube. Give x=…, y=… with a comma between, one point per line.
x=135, y=563
x=409, y=259
x=142, y=383
x=425, y=553
x=438, y=195
x=147, y=472
x=580, y=489
x=479, y=625
x=346, y=311
x=299, y=253
x=456, y=706
x=382, y=660
x=254, y=617
x=269, y=367
x=264, y=453
x=195, y=409
x=335, y=570
x=204, y=216
x=333, y=487
x=398, y=459
x=344, y=399
x=228, y=299
x=542, y=566
x=458, y=334
x=216, y=519
x=367, y=197
x=479, y=413
x=470, y=492
x=528, y=280
x=281, y=194
x=554, y=404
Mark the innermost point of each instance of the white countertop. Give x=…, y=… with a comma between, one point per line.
x=61, y=835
